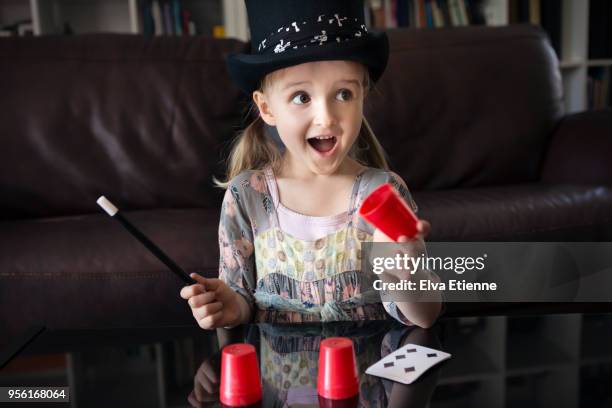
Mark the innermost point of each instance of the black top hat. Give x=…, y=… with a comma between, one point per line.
x=292, y=32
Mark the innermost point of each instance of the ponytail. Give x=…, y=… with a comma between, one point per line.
x=252, y=149
x=367, y=150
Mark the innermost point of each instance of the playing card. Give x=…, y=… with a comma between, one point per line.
x=406, y=364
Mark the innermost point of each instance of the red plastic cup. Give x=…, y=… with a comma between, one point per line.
x=385, y=209
x=240, y=382
x=338, y=377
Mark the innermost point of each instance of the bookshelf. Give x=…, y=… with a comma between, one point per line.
x=578, y=28
x=535, y=361
x=206, y=17
x=585, y=78
x=578, y=31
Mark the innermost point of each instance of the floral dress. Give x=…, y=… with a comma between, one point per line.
x=287, y=279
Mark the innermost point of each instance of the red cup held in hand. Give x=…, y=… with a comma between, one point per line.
x=385, y=209
x=338, y=377
x=240, y=381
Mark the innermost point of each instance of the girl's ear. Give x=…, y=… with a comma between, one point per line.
x=264, y=108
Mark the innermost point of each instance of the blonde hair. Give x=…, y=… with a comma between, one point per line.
x=253, y=149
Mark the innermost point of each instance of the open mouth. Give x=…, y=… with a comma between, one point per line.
x=322, y=145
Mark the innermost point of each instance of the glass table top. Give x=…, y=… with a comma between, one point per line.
x=562, y=360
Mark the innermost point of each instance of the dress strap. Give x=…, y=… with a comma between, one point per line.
x=273, y=191
x=272, y=187
x=354, y=194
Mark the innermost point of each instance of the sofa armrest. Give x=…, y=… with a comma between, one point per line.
x=579, y=151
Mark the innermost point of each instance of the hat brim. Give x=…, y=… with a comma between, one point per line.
x=247, y=70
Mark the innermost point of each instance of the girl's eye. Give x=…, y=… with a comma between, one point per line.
x=300, y=98
x=346, y=94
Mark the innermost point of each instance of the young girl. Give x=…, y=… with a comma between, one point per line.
x=290, y=234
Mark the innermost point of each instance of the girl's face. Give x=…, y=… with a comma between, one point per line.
x=317, y=108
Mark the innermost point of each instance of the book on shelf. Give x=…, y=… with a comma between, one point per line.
x=386, y=14
x=158, y=28
x=185, y=19
x=437, y=16
x=177, y=17
x=390, y=13
x=534, y=12
x=165, y=17
x=420, y=19
x=377, y=14
x=428, y=14
x=168, y=20
x=403, y=13
x=599, y=88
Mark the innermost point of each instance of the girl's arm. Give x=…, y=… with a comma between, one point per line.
x=425, y=309
x=236, y=249
x=230, y=336
x=422, y=313
x=246, y=311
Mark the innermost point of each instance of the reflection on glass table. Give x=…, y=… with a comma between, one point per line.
x=561, y=360
x=288, y=357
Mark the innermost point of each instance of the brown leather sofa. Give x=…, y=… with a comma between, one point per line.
x=471, y=118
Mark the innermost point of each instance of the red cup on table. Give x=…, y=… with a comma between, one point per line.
x=240, y=382
x=385, y=209
x=338, y=377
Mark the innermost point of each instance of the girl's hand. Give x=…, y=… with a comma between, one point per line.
x=206, y=382
x=423, y=228
x=212, y=302
x=411, y=247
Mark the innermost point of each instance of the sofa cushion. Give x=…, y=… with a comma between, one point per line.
x=456, y=109
x=140, y=120
x=89, y=271
x=527, y=212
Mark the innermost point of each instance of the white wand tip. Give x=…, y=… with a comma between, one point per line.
x=107, y=206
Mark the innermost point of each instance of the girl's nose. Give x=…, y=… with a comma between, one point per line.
x=324, y=115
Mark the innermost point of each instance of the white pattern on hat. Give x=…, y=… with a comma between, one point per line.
x=321, y=38
x=338, y=19
x=280, y=47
